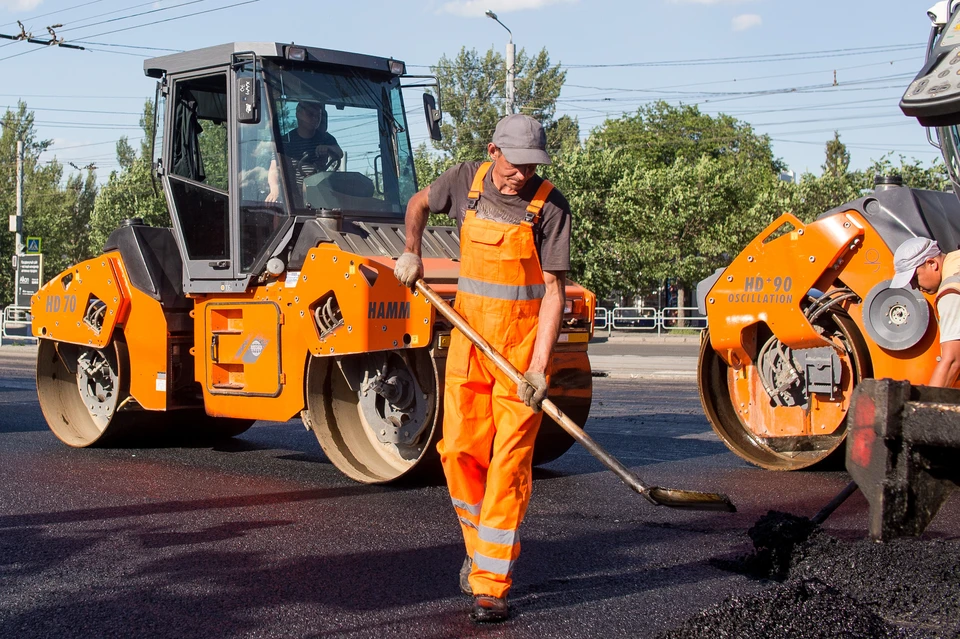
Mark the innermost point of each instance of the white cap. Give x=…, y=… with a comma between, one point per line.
x=909, y=257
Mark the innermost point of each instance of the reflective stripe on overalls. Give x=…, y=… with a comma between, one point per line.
x=488, y=433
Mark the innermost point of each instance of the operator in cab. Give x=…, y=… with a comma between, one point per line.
x=306, y=150
x=919, y=262
x=514, y=254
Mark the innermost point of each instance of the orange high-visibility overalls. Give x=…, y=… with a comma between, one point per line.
x=488, y=432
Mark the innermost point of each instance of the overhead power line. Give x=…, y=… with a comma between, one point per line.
x=180, y=17
x=132, y=15
x=50, y=13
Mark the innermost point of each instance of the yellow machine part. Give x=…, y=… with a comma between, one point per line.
x=252, y=349
x=765, y=286
x=86, y=304
x=768, y=281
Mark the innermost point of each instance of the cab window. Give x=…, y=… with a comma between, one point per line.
x=199, y=177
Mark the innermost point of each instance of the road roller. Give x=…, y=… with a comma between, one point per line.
x=286, y=171
x=805, y=312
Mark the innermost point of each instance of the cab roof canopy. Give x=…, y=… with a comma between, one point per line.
x=222, y=54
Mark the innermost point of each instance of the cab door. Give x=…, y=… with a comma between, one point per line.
x=197, y=181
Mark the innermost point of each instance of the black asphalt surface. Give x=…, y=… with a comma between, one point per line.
x=261, y=536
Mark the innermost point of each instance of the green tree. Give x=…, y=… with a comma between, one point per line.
x=600, y=260
x=472, y=94
x=683, y=221
x=56, y=214
x=659, y=133
x=914, y=173
x=61, y=217
x=131, y=191
x=667, y=192
x=838, y=158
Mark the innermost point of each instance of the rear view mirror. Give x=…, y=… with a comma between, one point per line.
x=432, y=114
x=248, y=103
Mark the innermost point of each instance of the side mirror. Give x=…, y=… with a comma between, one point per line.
x=248, y=99
x=432, y=114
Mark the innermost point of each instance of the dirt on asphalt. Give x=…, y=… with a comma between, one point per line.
x=823, y=587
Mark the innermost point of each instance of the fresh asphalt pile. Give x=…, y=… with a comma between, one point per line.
x=822, y=587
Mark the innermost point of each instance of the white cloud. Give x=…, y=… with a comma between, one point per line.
x=19, y=5
x=746, y=21
x=476, y=8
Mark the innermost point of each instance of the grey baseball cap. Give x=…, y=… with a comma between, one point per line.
x=522, y=140
x=909, y=256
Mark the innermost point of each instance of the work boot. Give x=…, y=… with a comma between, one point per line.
x=489, y=609
x=465, y=569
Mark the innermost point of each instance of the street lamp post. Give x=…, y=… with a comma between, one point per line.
x=511, y=68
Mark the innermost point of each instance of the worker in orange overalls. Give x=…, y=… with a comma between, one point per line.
x=514, y=254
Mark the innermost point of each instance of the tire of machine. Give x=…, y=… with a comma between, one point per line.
x=357, y=456
x=76, y=425
x=62, y=404
x=712, y=382
x=335, y=416
x=553, y=441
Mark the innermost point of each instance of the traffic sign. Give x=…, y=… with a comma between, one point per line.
x=33, y=245
x=29, y=277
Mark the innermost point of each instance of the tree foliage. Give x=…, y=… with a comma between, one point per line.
x=472, y=96
x=660, y=133
x=131, y=191
x=665, y=193
x=56, y=208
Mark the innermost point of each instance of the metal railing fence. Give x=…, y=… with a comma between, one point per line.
x=648, y=319
x=16, y=324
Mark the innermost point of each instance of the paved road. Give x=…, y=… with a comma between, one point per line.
x=261, y=537
x=627, y=357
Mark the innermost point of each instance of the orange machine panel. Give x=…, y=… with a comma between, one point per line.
x=337, y=304
x=770, y=277
x=82, y=305
x=377, y=313
x=244, y=348
x=87, y=303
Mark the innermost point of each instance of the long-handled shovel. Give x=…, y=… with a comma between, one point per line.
x=673, y=497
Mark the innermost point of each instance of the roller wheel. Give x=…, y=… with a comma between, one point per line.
x=375, y=414
x=571, y=389
x=81, y=389
x=778, y=437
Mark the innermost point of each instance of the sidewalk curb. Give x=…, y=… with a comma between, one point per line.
x=646, y=339
x=661, y=375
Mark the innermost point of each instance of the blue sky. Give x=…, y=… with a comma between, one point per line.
x=771, y=63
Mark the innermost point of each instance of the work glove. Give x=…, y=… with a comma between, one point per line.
x=409, y=269
x=533, y=390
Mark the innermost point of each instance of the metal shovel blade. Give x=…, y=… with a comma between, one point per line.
x=690, y=499
x=672, y=497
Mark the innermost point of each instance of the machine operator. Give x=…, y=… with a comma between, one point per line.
x=919, y=262
x=306, y=150
x=514, y=254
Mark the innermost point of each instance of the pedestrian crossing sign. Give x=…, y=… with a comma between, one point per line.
x=33, y=245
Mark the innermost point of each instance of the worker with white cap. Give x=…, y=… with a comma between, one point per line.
x=919, y=262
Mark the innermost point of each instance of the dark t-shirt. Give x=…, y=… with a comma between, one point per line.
x=448, y=194
x=300, y=154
